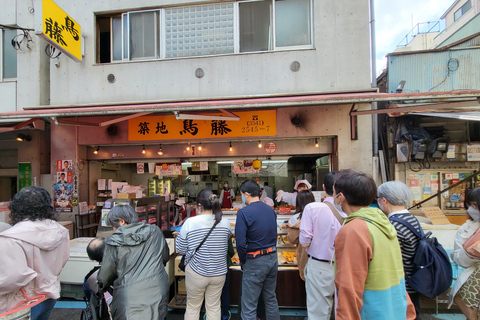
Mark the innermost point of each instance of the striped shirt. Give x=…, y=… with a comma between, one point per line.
x=211, y=259
x=408, y=241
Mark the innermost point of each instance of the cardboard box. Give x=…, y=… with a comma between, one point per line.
x=69, y=226
x=178, y=272
x=126, y=196
x=182, y=289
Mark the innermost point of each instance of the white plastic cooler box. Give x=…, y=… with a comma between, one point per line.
x=76, y=268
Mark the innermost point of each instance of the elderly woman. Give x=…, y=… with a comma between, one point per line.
x=393, y=198
x=34, y=252
x=465, y=289
x=133, y=262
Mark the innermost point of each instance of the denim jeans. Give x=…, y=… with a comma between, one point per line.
x=260, y=278
x=42, y=310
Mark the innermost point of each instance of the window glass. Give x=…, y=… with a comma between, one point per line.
x=466, y=7
x=292, y=23
x=457, y=14
x=199, y=30
x=255, y=25
x=117, y=38
x=9, y=63
x=143, y=34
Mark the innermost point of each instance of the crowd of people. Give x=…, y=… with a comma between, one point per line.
x=354, y=257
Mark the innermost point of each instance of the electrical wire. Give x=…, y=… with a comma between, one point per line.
x=50, y=51
x=19, y=38
x=452, y=65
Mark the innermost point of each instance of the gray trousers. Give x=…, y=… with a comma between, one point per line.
x=260, y=278
x=320, y=287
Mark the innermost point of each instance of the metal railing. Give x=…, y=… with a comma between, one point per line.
x=421, y=28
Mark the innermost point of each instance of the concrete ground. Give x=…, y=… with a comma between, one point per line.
x=71, y=310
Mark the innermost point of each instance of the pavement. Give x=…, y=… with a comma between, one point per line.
x=66, y=309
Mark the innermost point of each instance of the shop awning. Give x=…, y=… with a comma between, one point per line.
x=124, y=111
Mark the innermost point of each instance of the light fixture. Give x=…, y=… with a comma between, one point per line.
x=231, y=148
x=96, y=151
x=259, y=144
x=160, y=152
x=188, y=147
x=23, y=137
x=200, y=147
x=316, y=143
x=144, y=151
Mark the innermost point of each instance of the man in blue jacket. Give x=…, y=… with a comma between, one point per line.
x=256, y=239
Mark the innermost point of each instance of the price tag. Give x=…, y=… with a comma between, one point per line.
x=435, y=214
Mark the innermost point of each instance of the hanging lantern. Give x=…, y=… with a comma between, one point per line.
x=257, y=164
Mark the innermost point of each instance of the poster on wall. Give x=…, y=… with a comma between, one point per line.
x=244, y=166
x=62, y=197
x=63, y=188
x=168, y=169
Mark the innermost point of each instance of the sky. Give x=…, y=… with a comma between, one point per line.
x=395, y=19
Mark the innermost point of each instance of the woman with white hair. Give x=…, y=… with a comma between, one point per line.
x=133, y=262
x=393, y=198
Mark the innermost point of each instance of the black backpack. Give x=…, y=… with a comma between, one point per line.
x=432, y=271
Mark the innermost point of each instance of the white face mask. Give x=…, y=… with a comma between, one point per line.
x=474, y=213
x=338, y=207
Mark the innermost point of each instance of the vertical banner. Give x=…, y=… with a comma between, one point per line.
x=24, y=174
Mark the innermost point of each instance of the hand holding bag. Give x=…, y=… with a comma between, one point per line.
x=182, y=265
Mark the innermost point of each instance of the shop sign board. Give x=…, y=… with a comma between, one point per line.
x=24, y=174
x=167, y=127
x=58, y=28
x=435, y=214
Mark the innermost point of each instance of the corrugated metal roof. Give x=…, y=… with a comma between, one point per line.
x=436, y=71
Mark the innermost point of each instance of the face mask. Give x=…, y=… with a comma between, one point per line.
x=225, y=186
x=243, y=199
x=474, y=213
x=338, y=207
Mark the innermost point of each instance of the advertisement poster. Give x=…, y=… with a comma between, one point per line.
x=63, y=187
x=244, y=166
x=168, y=169
x=62, y=193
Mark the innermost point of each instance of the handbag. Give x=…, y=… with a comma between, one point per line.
x=22, y=309
x=182, y=265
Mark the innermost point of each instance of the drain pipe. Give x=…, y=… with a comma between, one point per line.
x=374, y=76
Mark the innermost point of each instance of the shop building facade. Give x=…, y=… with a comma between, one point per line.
x=306, y=62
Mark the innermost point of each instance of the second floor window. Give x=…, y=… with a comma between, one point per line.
x=8, y=55
x=463, y=9
x=200, y=30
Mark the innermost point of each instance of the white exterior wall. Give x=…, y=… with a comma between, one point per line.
x=452, y=26
x=339, y=62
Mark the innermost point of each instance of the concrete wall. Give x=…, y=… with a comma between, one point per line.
x=339, y=62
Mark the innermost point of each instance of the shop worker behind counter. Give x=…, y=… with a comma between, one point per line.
x=256, y=239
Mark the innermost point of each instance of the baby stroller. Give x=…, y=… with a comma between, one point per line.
x=96, y=305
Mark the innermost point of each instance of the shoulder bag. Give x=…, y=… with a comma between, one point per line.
x=22, y=309
x=182, y=265
x=335, y=212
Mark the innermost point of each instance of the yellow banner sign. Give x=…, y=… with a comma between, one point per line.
x=59, y=29
x=252, y=123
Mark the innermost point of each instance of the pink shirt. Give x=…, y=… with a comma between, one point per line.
x=319, y=227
